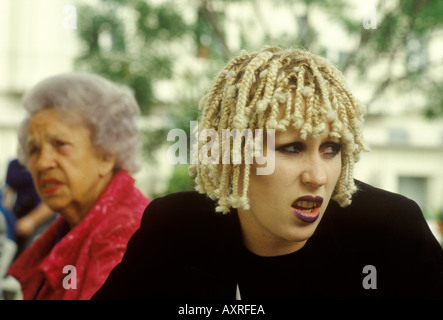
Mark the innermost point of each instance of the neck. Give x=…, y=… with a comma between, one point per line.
x=77, y=211
x=261, y=241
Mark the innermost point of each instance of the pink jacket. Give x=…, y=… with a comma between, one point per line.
x=93, y=247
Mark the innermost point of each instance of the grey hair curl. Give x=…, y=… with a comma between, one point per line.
x=110, y=110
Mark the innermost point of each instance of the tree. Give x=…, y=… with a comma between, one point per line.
x=403, y=33
x=130, y=42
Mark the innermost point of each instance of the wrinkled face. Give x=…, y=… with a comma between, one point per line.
x=68, y=172
x=287, y=205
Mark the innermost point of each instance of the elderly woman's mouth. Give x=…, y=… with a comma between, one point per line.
x=50, y=186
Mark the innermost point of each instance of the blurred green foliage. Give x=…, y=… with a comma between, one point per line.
x=179, y=180
x=403, y=33
x=137, y=54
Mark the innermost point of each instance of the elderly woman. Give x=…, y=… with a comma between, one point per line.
x=80, y=144
x=278, y=213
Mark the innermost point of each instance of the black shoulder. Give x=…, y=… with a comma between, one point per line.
x=183, y=216
x=370, y=194
x=186, y=201
x=177, y=232
x=375, y=202
x=187, y=207
x=388, y=231
x=380, y=216
x=376, y=215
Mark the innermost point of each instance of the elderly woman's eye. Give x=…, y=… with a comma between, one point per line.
x=32, y=150
x=60, y=143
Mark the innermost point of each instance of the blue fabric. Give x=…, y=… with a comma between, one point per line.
x=10, y=219
x=19, y=179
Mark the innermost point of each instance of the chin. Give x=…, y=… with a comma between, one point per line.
x=303, y=233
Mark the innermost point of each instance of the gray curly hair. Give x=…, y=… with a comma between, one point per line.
x=110, y=111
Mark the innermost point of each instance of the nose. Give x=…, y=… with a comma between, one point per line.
x=45, y=159
x=314, y=172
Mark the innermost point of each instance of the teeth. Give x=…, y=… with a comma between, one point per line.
x=50, y=185
x=306, y=204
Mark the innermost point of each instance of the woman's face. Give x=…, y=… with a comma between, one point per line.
x=68, y=172
x=287, y=205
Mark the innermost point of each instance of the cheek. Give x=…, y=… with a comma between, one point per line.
x=337, y=167
x=32, y=168
x=271, y=186
x=334, y=171
x=285, y=173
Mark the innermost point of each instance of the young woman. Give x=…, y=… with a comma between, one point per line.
x=302, y=229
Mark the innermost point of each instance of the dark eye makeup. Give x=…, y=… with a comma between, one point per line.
x=328, y=148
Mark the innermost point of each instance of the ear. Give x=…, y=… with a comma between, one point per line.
x=107, y=164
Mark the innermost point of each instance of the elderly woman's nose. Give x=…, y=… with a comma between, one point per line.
x=45, y=159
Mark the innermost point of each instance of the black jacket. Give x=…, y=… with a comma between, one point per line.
x=378, y=247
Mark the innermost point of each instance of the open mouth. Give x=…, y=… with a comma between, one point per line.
x=49, y=186
x=307, y=208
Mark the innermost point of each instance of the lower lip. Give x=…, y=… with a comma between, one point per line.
x=307, y=217
x=51, y=190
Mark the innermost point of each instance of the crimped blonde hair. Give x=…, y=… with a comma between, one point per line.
x=272, y=89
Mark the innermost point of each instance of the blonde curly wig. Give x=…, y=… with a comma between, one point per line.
x=273, y=89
